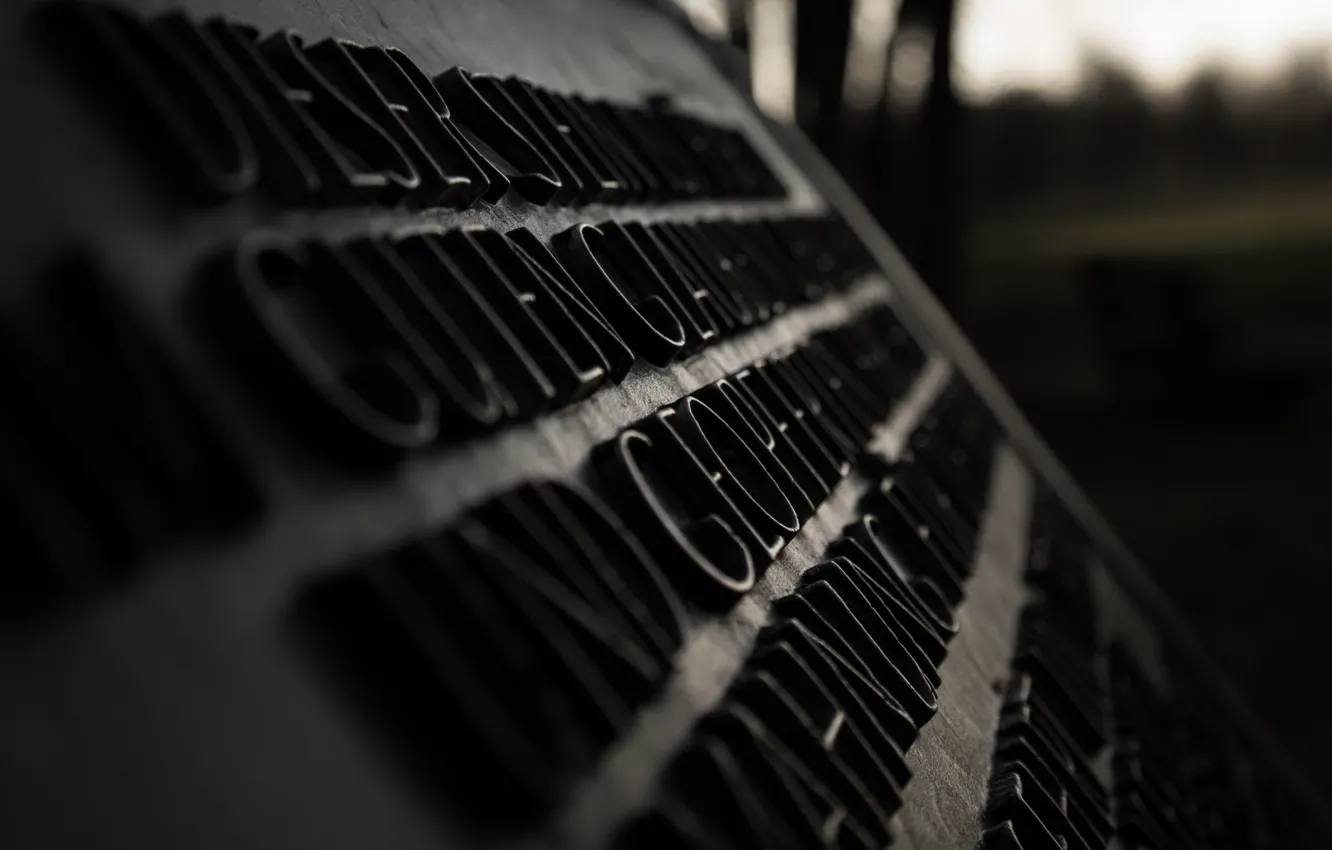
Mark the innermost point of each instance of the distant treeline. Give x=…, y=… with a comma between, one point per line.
x=1117, y=143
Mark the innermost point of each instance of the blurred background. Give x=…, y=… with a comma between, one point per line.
x=1127, y=205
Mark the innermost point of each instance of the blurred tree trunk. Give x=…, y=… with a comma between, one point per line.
x=916, y=190
x=823, y=36
x=899, y=157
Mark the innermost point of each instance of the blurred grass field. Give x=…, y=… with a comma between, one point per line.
x=1237, y=223
x=1264, y=260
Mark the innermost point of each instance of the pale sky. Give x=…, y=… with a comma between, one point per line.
x=1040, y=43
